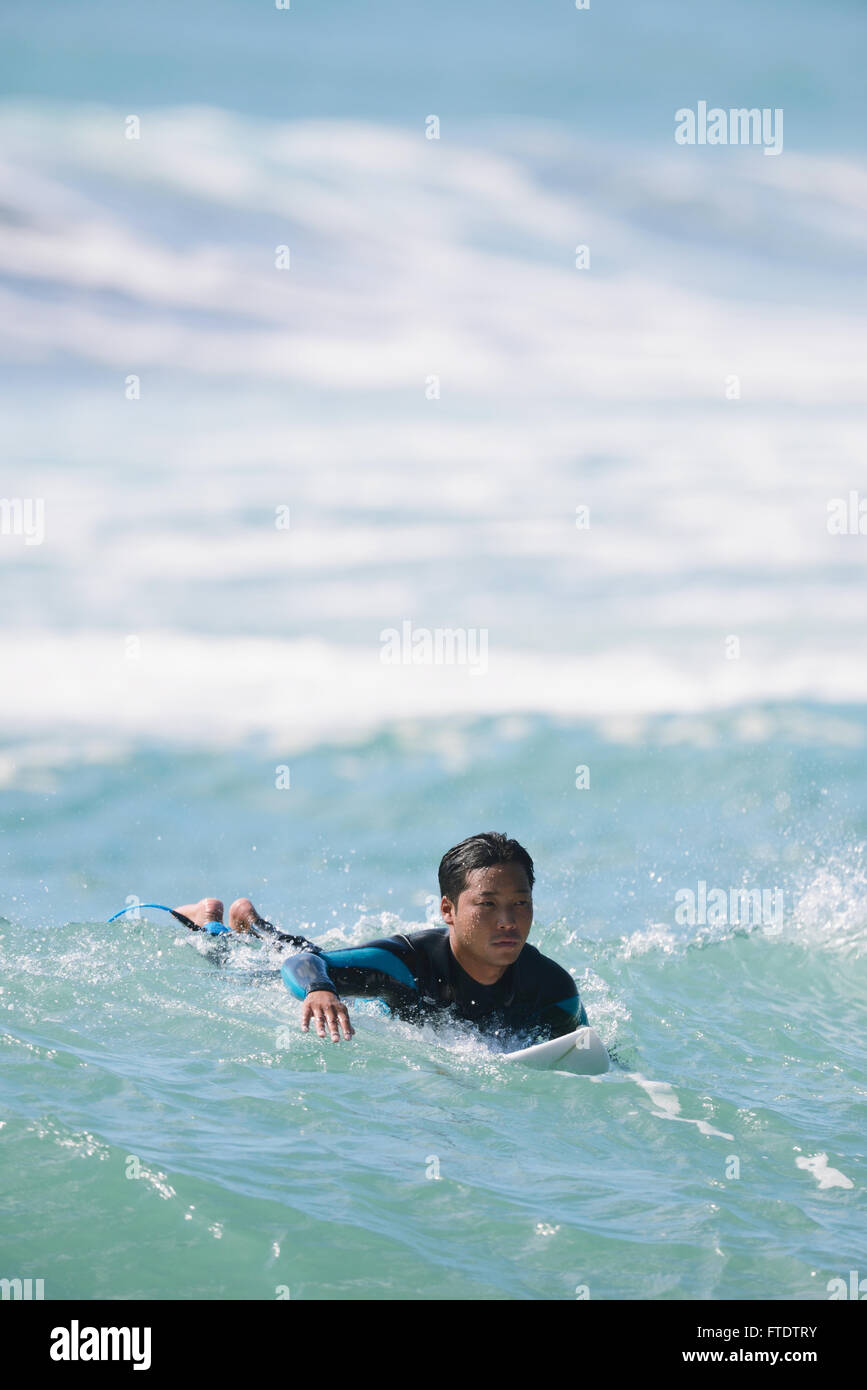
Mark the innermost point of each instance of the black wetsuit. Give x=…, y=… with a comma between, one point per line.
x=418, y=976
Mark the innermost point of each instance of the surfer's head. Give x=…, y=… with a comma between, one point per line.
x=486, y=884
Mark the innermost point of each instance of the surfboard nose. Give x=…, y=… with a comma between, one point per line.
x=583, y=1053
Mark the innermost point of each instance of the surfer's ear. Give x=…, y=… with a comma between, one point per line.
x=447, y=910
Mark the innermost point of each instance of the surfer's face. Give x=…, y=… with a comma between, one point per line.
x=493, y=915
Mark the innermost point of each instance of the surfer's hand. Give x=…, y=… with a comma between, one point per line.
x=327, y=1011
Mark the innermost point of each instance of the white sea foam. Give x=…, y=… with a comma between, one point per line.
x=217, y=691
x=825, y=1175
x=425, y=276
x=664, y=1097
x=306, y=389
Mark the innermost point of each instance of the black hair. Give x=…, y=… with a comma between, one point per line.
x=479, y=852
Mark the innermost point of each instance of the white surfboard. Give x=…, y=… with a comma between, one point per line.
x=582, y=1052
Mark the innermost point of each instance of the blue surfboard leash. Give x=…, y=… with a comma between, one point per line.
x=220, y=929
x=212, y=928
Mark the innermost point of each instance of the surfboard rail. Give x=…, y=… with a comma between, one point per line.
x=582, y=1052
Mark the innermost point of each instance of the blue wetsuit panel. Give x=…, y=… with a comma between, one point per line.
x=418, y=977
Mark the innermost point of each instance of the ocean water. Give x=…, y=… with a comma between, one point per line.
x=238, y=478
x=169, y=1132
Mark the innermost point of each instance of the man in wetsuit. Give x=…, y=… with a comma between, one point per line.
x=478, y=967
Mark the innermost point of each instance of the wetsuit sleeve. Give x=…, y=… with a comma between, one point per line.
x=565, y=1015
x=378, y=969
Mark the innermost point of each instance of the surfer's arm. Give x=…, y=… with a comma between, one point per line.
x=564, y=1016
x=307, y=972
x=377, y=970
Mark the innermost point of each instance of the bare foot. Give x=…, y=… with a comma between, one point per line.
x=205, y=910
x=243, y=915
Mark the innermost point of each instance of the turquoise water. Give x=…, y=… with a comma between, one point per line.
x=611, y=69
x=413, y=1163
